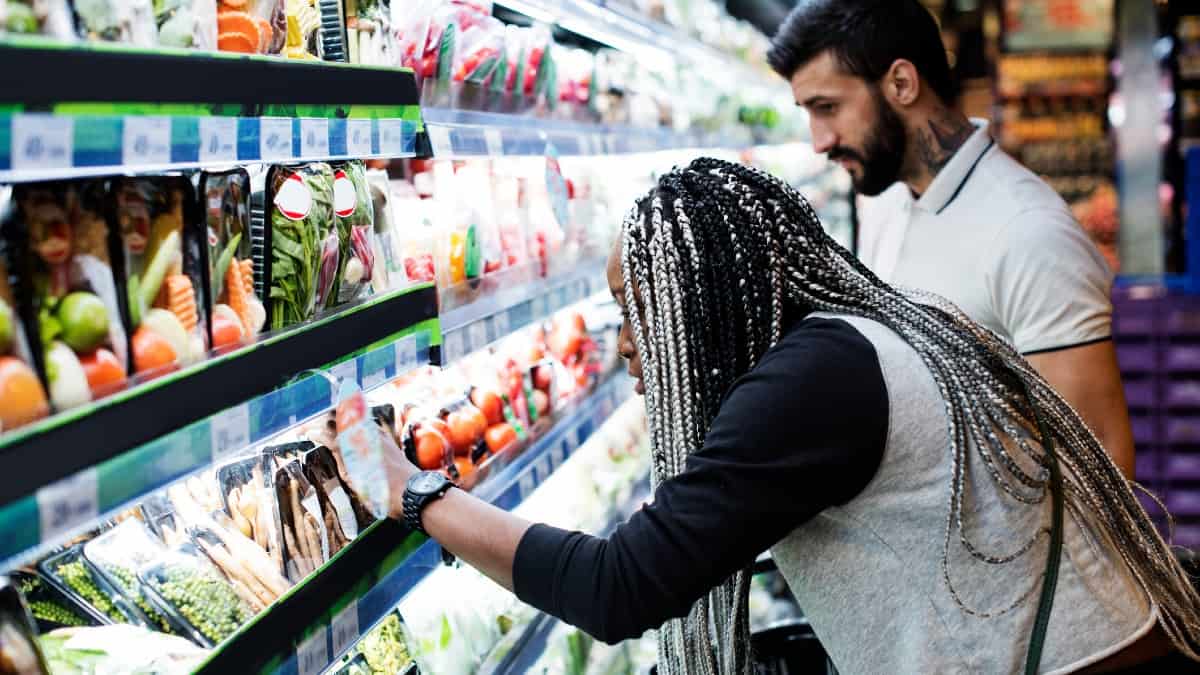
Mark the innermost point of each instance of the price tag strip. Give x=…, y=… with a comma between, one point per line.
x=230, y=430
x=312, y=655
x=67, y=504
x=345, y=628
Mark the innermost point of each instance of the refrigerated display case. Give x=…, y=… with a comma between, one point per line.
x=257, y=234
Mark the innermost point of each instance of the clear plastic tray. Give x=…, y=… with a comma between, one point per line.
x=69, y=572
x=184, y=580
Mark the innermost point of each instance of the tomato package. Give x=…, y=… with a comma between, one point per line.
x=478, y=51
x=236, y=313
x=252, y=26
x=67, y=295
x=303, y=242
x=354, y=214
x=22, y=396
x=163, y=251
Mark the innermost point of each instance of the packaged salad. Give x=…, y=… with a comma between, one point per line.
x=22, y=396
x=72, y=315
x=237, y=313
x=164, y=253
x=186, y=23
x=354, y=213
x=125, y=21
x=303, y=242
x=51, y=18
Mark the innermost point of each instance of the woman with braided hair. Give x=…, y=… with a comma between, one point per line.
x=933, y=504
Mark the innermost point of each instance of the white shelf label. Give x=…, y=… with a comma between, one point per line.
x=500, y=321
x=391, y=137
x=493, y=141
x=68, y=503
x=312, y=655
x=527, y=484
x=42, y=142
x=314, y=138
x=146, y=141
x=543, y=468
x=275, y=138
x=358, y=137
x=218, y=139
x=478, y=334
x=406, y=354
x=373, y=379
x=345, y=628
x=230, y=430
x=346, y=370
x=452, y=344
x=558, y=454
x=439, y=139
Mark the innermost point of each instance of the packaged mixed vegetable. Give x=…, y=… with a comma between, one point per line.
x=354, y=214
x=163, y=248
x=117, y=554
x=307, y=542
x=370, y=34
x=479, y=49
x=184, y=580
x=186, y=23
x=22, y=396
x=125, y=21
x=71, y=574
x=237, y=313
x=361, y=448
x=73, y=315
x=303, y=242
x=50, y=607
x=252, y=26
x=384, y=648
x=51, y=18
x=19, y=651
x=250, y=571
x=387, y=264
x=250, y=504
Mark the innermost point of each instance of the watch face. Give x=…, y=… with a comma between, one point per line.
x=428, y=482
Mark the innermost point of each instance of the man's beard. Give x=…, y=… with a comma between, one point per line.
x=883, y=150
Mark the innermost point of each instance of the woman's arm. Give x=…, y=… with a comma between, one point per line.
x=774, y=457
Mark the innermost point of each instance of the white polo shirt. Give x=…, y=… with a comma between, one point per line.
x=994, y=239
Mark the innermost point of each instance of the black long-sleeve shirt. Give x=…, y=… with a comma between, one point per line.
x=803, y=431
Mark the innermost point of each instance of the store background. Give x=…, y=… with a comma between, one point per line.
x=497, y=168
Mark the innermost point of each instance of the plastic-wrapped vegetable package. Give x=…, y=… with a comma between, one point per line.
x=124, y=21
x=343, y=515
x=576, y=76
x=117, y=554
x=118, y=649
x=237, y=313
x=249, y=502
x=387, y=264
x=370, y=32
x=303, y=241
x=251, y=26
x=354, y=214
x=479, y=49
x=50, y=607
x=414, y=241
x=419, y=36
x=71, y=574
x=51, y=18
x=164, y=249
x=183, y=579
x=307, y=542
x=186, y=23
x=22, y=397
x=303, y=40
x=19, y=652
x=73, y=316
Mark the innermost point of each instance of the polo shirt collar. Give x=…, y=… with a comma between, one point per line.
x=950, y=180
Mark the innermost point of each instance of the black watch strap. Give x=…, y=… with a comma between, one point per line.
x=415, y=503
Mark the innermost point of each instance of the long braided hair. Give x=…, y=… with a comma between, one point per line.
x=719, y=259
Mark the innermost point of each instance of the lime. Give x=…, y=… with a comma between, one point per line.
x=84, y=320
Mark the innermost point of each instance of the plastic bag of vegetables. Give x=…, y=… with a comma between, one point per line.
x=73, y=316
x=51, y=18
x=303, y=240
x=237, y=313
x=354, y=213
x=125, y=21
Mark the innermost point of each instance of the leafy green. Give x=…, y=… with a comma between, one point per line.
x=296, y=246
x=363, y=216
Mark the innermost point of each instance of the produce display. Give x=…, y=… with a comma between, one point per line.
x=304, y=243
x=117, y=649
x=117, y=555
x=72, y=574
x=35, y=17
x=191, y=586
x=237, y=312
x=384, y=649
x=48, y=606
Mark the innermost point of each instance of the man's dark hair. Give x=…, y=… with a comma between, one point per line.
x=866, y=37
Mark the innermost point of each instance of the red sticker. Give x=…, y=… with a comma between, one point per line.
x=294, y=199
x=344, y=199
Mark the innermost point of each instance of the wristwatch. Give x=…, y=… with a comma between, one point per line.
x=422, y=488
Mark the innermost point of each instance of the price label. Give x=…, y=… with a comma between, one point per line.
x=406, y=354
x=493, y=141
x=358, y=138
x=439, y=140
x=453, y=343
x=68, y=503
x=373, y=380
x=542, y=468
x=42, y=142
x=346, y=370
x=501, y=324
x=230, y=430
x=314, y=138
x=274, y=138
x=312, y=655
x=391, y=138
x=146, y=141
x=345, y=628
x=538, y=307
x=558, y=454
x=478, y=334
x=218, y=139
x=527, y=484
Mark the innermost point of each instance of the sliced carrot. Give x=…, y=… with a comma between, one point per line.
x=247, y=275
x=238, y=300
x=236, y=4
x=236, y=42
x=238, y=22
x=181, y=300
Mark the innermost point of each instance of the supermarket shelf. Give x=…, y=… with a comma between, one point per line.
x=467, y=133
x=121, y=448
x=509, y=307
x=311, y=626
x=266, y=109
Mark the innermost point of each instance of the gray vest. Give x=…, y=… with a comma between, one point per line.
x=869, y=575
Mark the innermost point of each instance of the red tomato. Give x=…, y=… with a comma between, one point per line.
x=542, y=378
x=500, y=436
x=463, y=430
x=431, y=449
x=490, y=404
x=541, y=402
x=464, y=467
x=104, y=372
